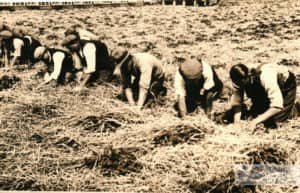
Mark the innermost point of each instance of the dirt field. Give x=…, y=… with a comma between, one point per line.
x=58, y=139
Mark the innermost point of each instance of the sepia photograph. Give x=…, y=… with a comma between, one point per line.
x=150, y=96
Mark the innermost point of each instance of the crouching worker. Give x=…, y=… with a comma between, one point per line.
x=16, y=43
x=272, y=90
x=147, y=72
x=90, y=57
x=196, y=84
x=58, y=62
x=11, y=45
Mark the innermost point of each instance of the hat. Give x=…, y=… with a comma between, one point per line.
x=118, y=54
x=19, y=31
x=39, y=52
x=71, y=31
x=6, y=34
x=74, y=46
x=191, y=68
x=70, y=39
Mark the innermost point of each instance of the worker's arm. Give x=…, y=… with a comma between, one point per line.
x=237, y=102
x=142, y=97
x=209, y=95
x=129, y=96
x=269, y=81
x=58, y=59
x=6, y=56
x=265, y=116
x=182, y=106
x=144, y=83
x=18, y=44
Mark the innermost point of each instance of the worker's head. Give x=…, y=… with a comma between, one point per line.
x=71, y=31
x=5, y=34
x=71, y=41
x=191, y=69
x=119, y=56
x=40, y=53
x=19, y=31
x=239, y=74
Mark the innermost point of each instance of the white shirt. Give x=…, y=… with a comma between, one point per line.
x=89, y=52
x=207, y=74
x=269, y=77
x=18, y=44
x=57, y=58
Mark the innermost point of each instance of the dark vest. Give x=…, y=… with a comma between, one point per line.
x=257, y=93
x=193, y=87
x=103, y=60
x=67, y=65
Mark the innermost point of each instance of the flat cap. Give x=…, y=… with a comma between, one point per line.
x=191, y=68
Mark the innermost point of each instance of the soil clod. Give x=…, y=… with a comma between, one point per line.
x=67, y=142
x=99, y=123
x=288, y=62
x=119, y=161
x=267, y=155
x=178, y=134
x=224, y=184
x=7, y=82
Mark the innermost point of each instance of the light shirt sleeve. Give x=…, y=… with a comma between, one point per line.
x=18, y=44
x=146, y=75
x=89, y=52
x=269, y=81
x=58, y=58
x=208, y=76
x=179, y=85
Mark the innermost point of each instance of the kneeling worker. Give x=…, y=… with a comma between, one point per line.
x=89, y=56
x=148, y=75
x=58, y=62
x=196, y=84
x=272, y=90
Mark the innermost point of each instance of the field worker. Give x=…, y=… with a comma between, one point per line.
x=30, y=44
x=21, y=46
x=147, y=72
x=196, y=84
x=89, y=56
x=11, y=45
x=272, y=90
x=59, y=64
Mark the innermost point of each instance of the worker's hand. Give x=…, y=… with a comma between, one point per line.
x=255, y=126
x=135, y=108
x=202, y=91
x=240, y=125
x=79, y=76
x=47, y=77
x=78, y=88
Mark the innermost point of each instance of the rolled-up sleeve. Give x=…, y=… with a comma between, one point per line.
x=146, y=74
x=58, y=58
x=89, y=52
x=269, y=81
x=179, y=85
x=18, y=44
x=208, y=76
